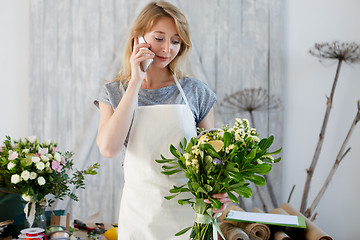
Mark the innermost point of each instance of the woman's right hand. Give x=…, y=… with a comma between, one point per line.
x=140, y=53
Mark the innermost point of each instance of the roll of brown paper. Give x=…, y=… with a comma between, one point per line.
x=255, y=231
x=312, y=232
x=232, y=232
x=280, y=234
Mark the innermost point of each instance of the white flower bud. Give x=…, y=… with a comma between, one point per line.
x=15, y=179
x=41, y=181
x=40, y=165
x=11, y=165
x=25, y=175
x=33, y=175
x=35, y=159
x=57, y=157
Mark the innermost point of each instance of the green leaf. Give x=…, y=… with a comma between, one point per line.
x=194, y=186
x=244, y=192
x=211, y=151
x=201, y=190
x=237, y=176
x=171, y=196
x=216, y=204
x=185, y=201
x=174, y=151
x=189, y=147
x=181, y=165
x=166, y=167
x=232, y=197
x=176, y=189
x=227, y=139
x=200, y=206
x=208, y=188
x=276, y=152
x=171, y=172
x=267, y=143
x=234, y=151
x=235, y=186
x=258, y=180
x=277, y=160
x=164, y=160
x=251, y=155
x=182, y=231
x=262, y=169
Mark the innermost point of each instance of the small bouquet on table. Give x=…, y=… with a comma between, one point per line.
x=37, y=169
x=220, y=160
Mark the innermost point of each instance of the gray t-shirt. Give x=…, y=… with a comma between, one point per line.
x=200, y=97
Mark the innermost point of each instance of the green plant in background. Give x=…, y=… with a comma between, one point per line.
x=37, y=169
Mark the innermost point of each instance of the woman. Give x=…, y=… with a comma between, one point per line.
x=148, y=111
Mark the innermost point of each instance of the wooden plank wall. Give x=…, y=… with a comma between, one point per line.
x=77, y=45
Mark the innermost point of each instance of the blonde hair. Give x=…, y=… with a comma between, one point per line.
x=144, y=22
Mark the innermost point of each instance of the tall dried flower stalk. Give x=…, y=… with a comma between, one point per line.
x=342, y=153
x=251, y=100
x=342, y=52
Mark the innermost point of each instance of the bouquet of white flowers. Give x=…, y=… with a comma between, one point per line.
x=36, y=169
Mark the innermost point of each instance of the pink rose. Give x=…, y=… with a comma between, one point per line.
x=63, y=162
x=56, y=166
x=1, y=147
x=53, y=150
x=13, y=155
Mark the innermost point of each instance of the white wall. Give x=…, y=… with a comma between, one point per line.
x=14, y=68
x=307, y=82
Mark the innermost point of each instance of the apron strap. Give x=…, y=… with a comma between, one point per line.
x=181, y=91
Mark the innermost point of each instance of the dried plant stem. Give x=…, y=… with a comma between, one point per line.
x=291, y=193
x=261, y=199
x=314, y=161
x=342, y=153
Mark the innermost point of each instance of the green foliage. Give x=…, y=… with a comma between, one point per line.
x=34, y=170
x=222, y=160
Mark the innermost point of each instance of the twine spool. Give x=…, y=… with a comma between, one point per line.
x=32, y=234
x=255, y=231
x=232, y=232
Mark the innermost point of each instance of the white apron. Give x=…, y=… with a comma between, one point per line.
x=144, y=212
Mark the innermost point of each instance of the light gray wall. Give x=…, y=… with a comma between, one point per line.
x=307, y=83
x=14, y=69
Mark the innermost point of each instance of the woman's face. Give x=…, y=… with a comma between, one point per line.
x=164, y=41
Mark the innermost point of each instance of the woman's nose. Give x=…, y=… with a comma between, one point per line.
x=166, y=46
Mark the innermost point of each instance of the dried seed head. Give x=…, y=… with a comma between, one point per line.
x=250, y=100
x=347, y=52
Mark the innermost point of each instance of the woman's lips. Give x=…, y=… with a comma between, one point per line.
x=163, y=58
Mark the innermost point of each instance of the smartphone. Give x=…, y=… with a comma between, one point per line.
x=145, y=64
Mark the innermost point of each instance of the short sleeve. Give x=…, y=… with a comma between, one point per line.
x=200, y=96
x=110, y=94
x=207, y=99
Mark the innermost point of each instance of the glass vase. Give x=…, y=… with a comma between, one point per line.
x=39, y=217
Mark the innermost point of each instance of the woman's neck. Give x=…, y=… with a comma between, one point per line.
x=157, y=79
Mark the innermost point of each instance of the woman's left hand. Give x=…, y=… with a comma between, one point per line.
x=223, y=198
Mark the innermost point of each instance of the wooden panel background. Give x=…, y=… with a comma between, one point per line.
x=77, y=45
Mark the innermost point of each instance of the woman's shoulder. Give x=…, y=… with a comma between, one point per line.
x=113, y=85
x=192, y=84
